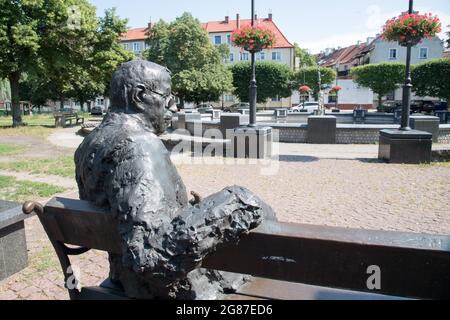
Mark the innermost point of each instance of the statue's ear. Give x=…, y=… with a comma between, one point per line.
x=137, y=96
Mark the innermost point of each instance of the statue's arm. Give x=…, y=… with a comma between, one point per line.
x=156, y=244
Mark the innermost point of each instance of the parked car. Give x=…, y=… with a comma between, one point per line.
x=97, y=111
x=307, y=106
x=204, y=108
x=417, y=106
x=238, y=106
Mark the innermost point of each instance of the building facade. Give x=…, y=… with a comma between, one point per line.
x=374, y=51
x=220, y=33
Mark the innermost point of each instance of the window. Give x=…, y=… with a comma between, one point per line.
x=276, y=99
x=229, y=39
x=390, y=96
x=231, y=57
x=392, y=54
x=423, y=53
x=146, y=46
x=217, y=40
x=136, y=46
x=276, y=56
x=125, y=46
x=261, y=56
x=332, y=98
x=244, y=56
x=229, y=98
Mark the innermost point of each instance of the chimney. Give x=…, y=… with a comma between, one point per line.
x=227, y=19
x=256, y=16
x=270, y=17
x=238, y=21
x=149, y=26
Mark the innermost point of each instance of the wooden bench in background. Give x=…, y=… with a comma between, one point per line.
x=289, y=261
x=65, y=117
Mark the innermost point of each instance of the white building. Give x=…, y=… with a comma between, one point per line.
x=220, y=33
x=374, y=51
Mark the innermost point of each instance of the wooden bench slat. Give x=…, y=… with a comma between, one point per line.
x=79, y=223
x=280, y=290
x=412, y=265
x=417, y=266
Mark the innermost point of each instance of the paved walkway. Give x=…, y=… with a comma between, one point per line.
x=341, y=186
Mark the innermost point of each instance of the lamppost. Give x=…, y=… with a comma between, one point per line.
x=321, y=99
x=253, y=86
x=337, y=84
x=407, y=88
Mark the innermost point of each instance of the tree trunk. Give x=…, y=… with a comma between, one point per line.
x=181, y=103
x=89, y=106
x=61, y=103
x=380, y=101
x=81, y=105
x=15, y=99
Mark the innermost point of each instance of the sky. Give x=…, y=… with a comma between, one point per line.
x=314, y=25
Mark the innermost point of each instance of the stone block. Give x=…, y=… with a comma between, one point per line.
x=405, y=147
x=251, y=143
x=231, y=121
x=322, y=129
x=13, y=245
x=184, y=117
x=426, y=124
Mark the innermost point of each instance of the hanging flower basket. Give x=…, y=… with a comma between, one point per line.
x=253, y=39
x=411, y=29
x=304, y=89
x=335, y=89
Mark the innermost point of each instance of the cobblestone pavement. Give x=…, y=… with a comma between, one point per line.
x=305, y=189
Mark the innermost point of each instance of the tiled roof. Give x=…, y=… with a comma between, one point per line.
x=341, y=56
x=218, y=27
x=134, y=34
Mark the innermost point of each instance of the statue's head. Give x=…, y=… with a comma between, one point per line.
x=144, y=88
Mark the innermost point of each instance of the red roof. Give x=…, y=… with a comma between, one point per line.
x=219, y=27
x=341, y=56
x=134, y=34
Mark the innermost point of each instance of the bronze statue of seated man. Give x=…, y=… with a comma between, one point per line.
x=124, y=167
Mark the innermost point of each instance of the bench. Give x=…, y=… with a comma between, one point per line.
x=288, y=261
x=62, y=118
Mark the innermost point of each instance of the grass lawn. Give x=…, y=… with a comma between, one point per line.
x=63, y=166
x=14, y=190
x=8, y=149
x=40, y=125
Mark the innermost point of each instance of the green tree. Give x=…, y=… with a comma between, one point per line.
x=44, y=38
x=310, y=77
x=432, y=79
x=183, y=46
x=158, y=39
x=273, y=80
x=85, y=62
x=381, y=78
x=305, y=58
x=98, y=58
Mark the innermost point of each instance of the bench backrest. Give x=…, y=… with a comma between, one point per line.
x=410, y=265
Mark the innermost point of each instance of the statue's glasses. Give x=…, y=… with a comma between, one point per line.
x=169, y=98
